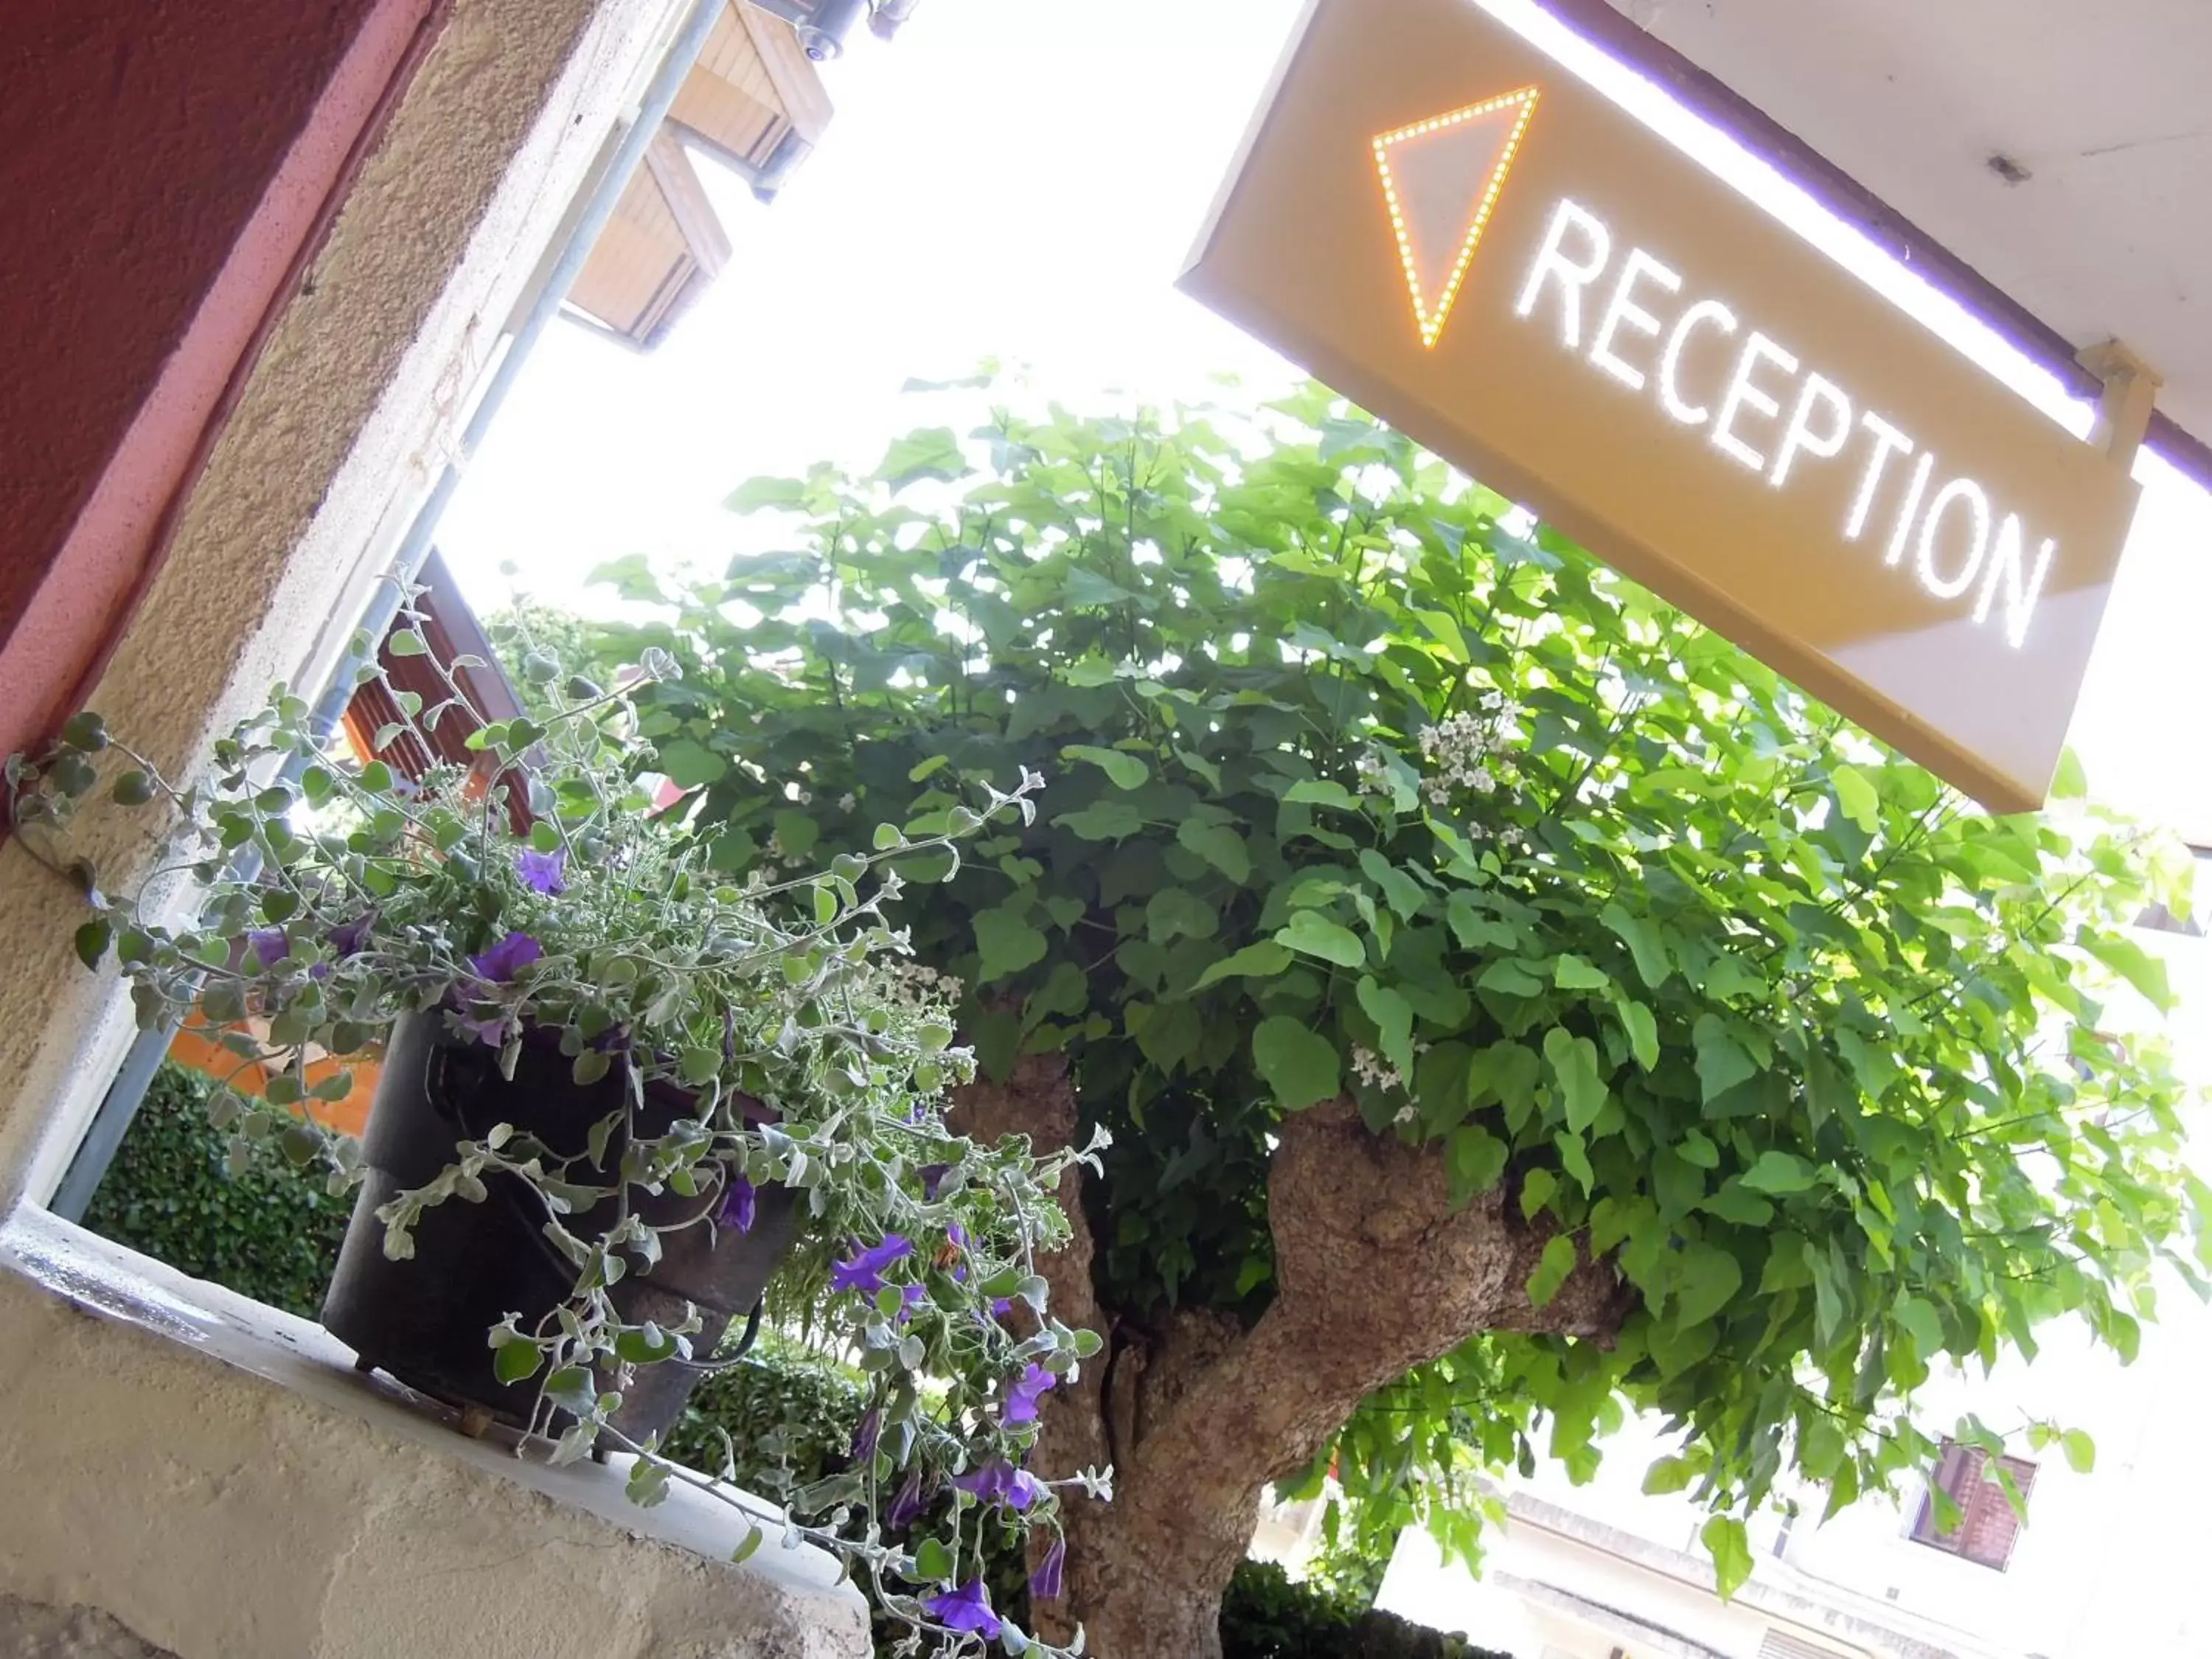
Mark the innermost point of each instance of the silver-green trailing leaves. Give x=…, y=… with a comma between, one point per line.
x=537, y=898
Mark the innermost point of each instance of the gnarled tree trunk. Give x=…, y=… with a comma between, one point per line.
x=1375, y=1273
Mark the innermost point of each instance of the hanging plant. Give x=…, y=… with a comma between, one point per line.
x=734, y=1048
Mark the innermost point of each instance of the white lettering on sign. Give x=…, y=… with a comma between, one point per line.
x=1957, y=541
x=1670, y=390
x=1551, y=260
x=1624, y=309
x=1978, y=544
x=1800, y=439
x=1908, y=508
x=1887, y=441
x=1742, y=391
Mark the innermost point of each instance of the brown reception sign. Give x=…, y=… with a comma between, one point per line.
x=1440, y=220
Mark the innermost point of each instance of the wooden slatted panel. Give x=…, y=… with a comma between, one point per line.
x=753, y=89
x=751, y=97
x=440, y=734
x=640, y=263
x=731, y=55
x=729, y=99
x=1992, y=1528
x=799, y=93
x=687, y=203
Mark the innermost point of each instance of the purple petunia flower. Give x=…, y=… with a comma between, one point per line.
x=959, y=1240
x=999, y=1482
x=491, y=1030
x=739, y=1204
x=514, y=953
x=865, y=1434
x=1022, y=1397
x=1046, y=1582
x=968, y=1607
x=864, y=1272
x=541, y=872
x=912, y=1297
x=269, y=946
x=933, y=1176
x=349, y=937
x=906, y=1507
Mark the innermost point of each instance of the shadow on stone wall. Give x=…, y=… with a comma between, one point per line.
x=38, y=1630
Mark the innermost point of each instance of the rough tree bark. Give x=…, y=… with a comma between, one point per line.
x=1375, y=1273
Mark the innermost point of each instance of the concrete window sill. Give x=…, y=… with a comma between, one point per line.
x=215, y=1475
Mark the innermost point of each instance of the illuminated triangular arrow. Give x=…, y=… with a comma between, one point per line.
x=1441, y=178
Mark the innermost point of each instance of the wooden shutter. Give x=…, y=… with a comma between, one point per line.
x=754, y=89
x=658, y=253
x=410, y=748
x=1988, y=1528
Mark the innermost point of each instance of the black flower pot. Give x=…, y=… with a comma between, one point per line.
x=424, y=1320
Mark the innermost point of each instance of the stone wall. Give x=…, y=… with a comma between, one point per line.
x=38, y=1630
x=188, y=1474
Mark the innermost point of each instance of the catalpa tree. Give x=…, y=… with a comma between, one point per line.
x=1510, y=1004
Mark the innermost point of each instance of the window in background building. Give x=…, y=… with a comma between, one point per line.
x=1987, y=1524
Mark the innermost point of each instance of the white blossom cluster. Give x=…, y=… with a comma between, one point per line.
x=1511, y=836
x=1371, y=1069
x=916, y=987
x=1463, y=747
x=1374, y=773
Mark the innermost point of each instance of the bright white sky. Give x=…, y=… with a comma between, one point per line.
x=1021, y=180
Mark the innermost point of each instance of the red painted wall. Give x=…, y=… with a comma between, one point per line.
x=166, y=166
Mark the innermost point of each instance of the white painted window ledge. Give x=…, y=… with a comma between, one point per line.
x=209, y=1478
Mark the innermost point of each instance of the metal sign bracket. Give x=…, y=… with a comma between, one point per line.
x=2130, y=389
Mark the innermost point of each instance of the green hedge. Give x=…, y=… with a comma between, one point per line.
x=1267, y=1614
x=789, y=1414
x=788, y=1411
x=265, y=1234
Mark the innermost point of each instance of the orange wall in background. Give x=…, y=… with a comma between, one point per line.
x=195, y=1050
